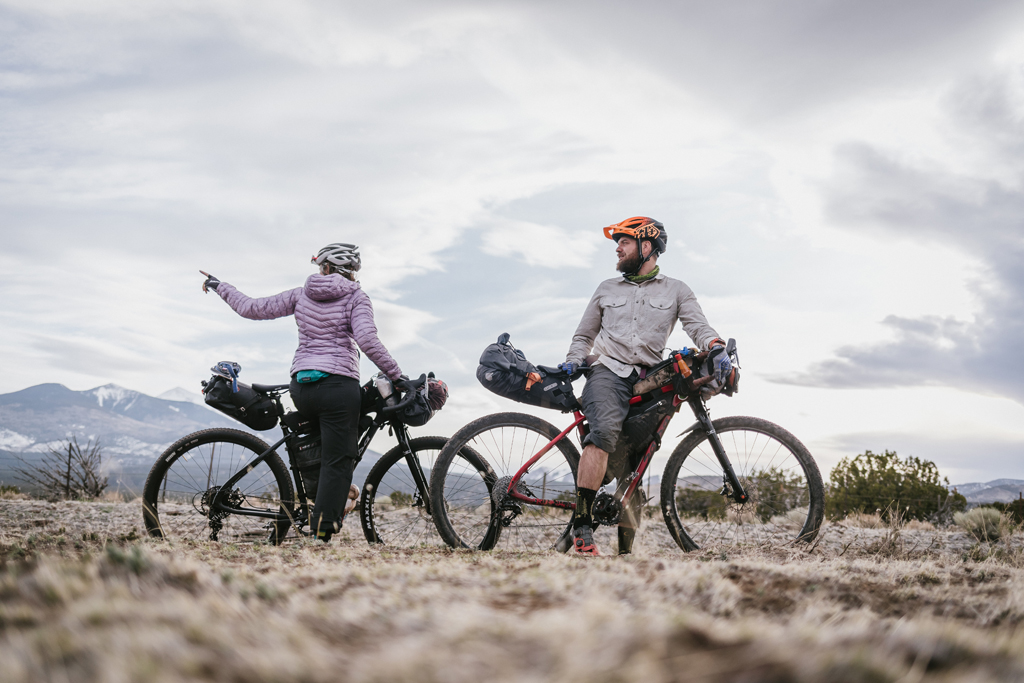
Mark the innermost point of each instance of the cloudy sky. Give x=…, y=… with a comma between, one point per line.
x=843, y=185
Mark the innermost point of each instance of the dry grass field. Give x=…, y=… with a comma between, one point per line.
x=84, y=598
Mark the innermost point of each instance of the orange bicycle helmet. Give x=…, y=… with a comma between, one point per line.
x=640, y=228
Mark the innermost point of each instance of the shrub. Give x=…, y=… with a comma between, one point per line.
x=401, y=499
x=864, y=520
x=775, y=493
x=67, y=473
x=1015, y=511
x=981, y=522
x=872, y=482
x=694, y=502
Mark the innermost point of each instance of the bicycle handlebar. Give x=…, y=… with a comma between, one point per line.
x=412, y=385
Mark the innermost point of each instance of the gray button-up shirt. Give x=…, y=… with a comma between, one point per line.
x=628, y=324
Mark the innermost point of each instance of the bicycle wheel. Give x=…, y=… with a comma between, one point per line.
x=391, y=508
x=785, y=497
x=465, y=512
x=185, y=477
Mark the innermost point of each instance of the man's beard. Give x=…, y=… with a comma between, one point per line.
x=629, y=265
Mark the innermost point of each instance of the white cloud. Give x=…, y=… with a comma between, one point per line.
x=473, y=152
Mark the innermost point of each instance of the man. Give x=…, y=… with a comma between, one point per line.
x=626, y=324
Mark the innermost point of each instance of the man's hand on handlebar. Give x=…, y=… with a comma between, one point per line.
x=569, y=367
x=721, y=363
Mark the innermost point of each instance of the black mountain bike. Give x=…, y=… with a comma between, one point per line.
x=735, y=480
x=229, y=485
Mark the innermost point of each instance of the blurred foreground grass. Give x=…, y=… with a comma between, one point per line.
x=91, y=601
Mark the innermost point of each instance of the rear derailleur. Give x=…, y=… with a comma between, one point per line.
x=205, y=506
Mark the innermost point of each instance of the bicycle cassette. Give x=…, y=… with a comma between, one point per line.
x=500, y=493
x=607, y=510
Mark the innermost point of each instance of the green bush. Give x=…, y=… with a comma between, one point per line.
x=694, y=502
x=872, y=482
x=401, y=499
x=1015, y=511
x=773, y=492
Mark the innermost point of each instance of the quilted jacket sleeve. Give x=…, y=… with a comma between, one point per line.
x=364, y=330
x=267, y=308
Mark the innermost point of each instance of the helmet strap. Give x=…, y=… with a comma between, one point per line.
x=645, y=259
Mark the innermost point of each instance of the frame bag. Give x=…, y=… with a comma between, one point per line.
x=305, y=452
x=505, y=371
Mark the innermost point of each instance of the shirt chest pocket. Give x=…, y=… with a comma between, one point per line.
x=614, y=314
x=660, y=315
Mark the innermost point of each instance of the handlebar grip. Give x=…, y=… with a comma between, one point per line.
x=409, y=397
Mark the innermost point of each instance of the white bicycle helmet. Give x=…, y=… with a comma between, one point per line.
x=344, y=257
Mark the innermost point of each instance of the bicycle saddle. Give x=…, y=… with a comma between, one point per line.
x=266, y=388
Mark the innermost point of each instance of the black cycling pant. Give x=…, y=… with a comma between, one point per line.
x=334, y=402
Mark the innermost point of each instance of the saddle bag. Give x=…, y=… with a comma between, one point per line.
x=505, y=371
x=305, y=452
x=241, y=402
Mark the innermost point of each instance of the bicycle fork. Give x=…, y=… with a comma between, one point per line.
x=415, y=468
x=731, y=483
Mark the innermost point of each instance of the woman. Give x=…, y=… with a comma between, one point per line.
x=334, y=316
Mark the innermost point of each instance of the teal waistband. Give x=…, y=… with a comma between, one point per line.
x=307, y=376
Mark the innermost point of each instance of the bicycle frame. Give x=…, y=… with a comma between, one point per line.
x=399, y=429
x=633, y=479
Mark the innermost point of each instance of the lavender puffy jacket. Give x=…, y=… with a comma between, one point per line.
x=333, y=314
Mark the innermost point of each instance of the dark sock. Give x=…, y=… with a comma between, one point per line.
x=626, y=536
x=584, y=508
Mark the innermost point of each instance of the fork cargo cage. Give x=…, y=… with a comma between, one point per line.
x=505, y=371
x=248, y=406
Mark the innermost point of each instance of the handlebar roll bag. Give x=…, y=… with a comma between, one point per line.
x=429, y=399
x=505, y=371
x=251, y=408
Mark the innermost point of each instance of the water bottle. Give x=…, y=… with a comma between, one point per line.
x=385, y=389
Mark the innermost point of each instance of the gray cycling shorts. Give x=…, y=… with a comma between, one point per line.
x=605, y=402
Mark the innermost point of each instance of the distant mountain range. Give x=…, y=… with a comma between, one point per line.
x=995, y=491
x=132, y=428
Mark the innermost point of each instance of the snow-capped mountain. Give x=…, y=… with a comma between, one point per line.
x=132, y=428
x=995, y=491
x=179, y=394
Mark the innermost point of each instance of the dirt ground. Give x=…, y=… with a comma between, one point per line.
x=83, y=597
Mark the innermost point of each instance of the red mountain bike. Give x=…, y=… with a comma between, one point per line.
x=735, y=480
